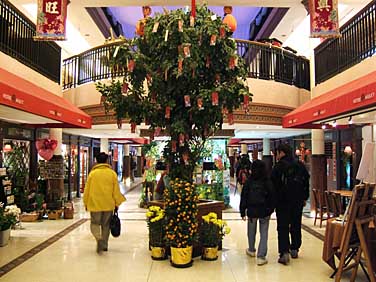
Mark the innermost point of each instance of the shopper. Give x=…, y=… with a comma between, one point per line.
x=291, y=180
x=258, y=201
x=102, y=195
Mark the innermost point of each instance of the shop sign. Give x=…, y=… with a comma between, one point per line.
x=324, y=18
x=364, y=97
x=51, y=20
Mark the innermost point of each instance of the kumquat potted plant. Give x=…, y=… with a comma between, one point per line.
x=211, y=234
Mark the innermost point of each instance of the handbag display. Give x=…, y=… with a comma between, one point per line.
x=115, y=225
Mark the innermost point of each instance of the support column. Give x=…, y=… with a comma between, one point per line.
x=55, y=186
x=126, y=163
x=318, y=165
x=266, y=157
x=138, y=172
x=104, y=145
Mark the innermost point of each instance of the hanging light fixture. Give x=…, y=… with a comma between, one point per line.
x=7, y=148
x=348, y=150
x=323, y=126
x=350, y=120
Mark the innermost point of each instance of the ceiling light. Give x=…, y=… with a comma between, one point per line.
x=323, y=126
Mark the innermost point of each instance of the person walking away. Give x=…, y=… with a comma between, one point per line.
x=102, y=195
x=257, y=201
x=291, y=181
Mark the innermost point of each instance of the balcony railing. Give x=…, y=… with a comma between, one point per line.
x=16, y=40
x=263, y=62
x=357, y=42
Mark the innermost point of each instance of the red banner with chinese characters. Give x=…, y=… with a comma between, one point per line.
x=51, y=20
x=324, y=18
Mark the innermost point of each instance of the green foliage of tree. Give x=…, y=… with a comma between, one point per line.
x=175, y=61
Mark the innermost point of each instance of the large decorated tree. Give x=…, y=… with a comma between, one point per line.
x=182, y=77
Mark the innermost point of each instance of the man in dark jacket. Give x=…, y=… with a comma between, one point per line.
x=258, y=201
x=291, y=181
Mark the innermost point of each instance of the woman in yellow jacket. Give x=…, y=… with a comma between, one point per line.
x=102, y=195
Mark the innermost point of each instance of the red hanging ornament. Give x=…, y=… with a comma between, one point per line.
x=213, y=40
x=180, y=66
x=224, y=111
x=124, y=88
x=193, y=8
x=200, y=104
x=167, y=112
x=131, y=65
x=231, y=63
x=173, y=146
x=215, y=98
x=222, y=32
x=180, y=25
x=217, y=78
x=181, y=139
x=187, y=101
x=133, y=127
x=187, y=50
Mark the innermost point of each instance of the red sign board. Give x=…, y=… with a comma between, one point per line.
x=324, y=18
x=51, y=20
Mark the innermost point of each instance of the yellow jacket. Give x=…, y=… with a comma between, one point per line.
x=102, y=191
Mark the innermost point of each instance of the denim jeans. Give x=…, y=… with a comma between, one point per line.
x=264, y=229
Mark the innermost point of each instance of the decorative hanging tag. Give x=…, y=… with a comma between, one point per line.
x=119, y=123
x=173, y=146
x=215, y=98
x=166, y=35
x=131, y=65
x=213, y=40
x=213, y=17
x=200, y=104
x=192, y=21
x=187, y=50
x=157, y=131
x=231, y=63
x=222, y=32
x=124, y=88
x=230, y=118
x=187, y=101
x=167, y=112
x=207, y=62
x=181, y=139
x=155, y=27
x=133, y=127
x=180, y=66
x=180, y=25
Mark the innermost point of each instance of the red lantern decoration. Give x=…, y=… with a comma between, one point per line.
x=215, y=99
x=173, y=146
x=167, y=112
x=187, y=100
x=231, y=22
x=131, y=65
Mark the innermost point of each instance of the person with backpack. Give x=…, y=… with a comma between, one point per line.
x=291, y=181
x=257, y=200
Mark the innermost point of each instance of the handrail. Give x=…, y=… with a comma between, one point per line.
x=16, y=40
x=357, y=42
x=264, y=61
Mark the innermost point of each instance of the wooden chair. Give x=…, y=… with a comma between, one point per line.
x=320, y=207
x=338, y=203
x=360, y=214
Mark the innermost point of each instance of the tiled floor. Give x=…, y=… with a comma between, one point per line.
x=73, y=258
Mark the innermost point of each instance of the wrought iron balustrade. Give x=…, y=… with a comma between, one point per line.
x=263, y=61
x=16, y=40
x=357, y=42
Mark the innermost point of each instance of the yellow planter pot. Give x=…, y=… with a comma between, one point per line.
x=209, y=253
x=158, y=253
x=181, y=257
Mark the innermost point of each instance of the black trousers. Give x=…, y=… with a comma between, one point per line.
x=289, y=223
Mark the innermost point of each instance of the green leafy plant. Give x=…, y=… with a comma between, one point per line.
x=155, y=218
x=181, y=78
x=213, y=230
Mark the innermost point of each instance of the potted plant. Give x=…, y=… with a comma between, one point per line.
x=211, y=234
x=8, y=217
x=181, y=226
x=155, y=218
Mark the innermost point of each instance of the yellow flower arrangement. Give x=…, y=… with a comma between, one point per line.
x=213, y=230
x=155, y=218
x=181, y=212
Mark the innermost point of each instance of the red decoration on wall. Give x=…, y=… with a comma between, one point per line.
x=324, y=18
x=51, y=20
x=46, y=148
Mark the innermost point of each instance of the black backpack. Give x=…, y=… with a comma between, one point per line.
x=295, y=181
x=257, y=193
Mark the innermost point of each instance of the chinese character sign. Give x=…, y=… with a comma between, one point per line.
x=324, y=18
x=51, y=19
